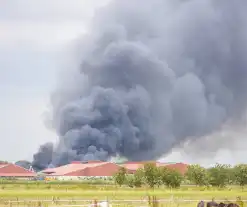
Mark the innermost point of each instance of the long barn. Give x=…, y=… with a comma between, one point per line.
x=9, y=170
x=79, y=169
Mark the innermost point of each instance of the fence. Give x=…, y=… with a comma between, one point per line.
x=84, y=202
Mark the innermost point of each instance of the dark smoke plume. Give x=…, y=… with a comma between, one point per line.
x=23, y=163
x=152, y=73
x=43, y=157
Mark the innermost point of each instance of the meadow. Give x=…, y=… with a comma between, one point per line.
x=148, y=186
x=41, y=193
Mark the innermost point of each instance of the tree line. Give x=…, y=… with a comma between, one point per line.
x=219, y=175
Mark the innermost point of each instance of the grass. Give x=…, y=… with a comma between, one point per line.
x=29, y=194
x=124, y=192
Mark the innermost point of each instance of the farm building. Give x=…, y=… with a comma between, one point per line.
x=181, y=167
x=133, y=166
x=79, y=169
x=9, y=170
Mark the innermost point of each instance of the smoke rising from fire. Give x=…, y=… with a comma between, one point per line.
x=151, y=74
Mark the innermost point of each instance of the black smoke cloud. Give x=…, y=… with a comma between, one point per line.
x=151, y=74
x=43, y=158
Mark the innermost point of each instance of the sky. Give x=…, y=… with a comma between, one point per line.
x=33, y=39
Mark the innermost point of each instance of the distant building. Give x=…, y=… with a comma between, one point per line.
x=181, y=167
x=78, y=169
x=133, y=166
x=10, y=170
x=83, y=169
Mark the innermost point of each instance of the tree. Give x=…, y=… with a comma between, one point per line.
x=151, y=174
x=120, y=176
x=138, y=177
x=135, y=180
x=231, y=176
x=197, y=175
x=240, y=174
x=172, y=178
x=219, y=175
x=130, y=181
x=164, y=171
x=159, y=176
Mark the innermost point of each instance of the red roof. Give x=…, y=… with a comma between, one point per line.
x=70, y=168
x=133, y=166
x=86, y=162
x=181, y=167
x=16, y=175
x=99, y=168
x=11, y=170
x=84, y=169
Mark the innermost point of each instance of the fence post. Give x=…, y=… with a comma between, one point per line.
x=95, y=202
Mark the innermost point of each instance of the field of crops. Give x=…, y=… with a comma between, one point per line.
x=77, y=194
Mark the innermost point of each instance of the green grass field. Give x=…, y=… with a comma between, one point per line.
x=75, y=194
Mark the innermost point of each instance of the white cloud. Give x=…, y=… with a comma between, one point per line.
x=49, y=10
x=22, y=128
x=44, y=22
x=32, y=32
x=227, y=145
x=38, y=35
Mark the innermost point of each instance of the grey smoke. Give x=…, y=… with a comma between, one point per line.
x=43, y=157
x=226, y=145
x=151, y=74
x=23, y=163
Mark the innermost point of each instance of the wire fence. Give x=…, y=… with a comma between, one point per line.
x=78, y=201
x=107, y=202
